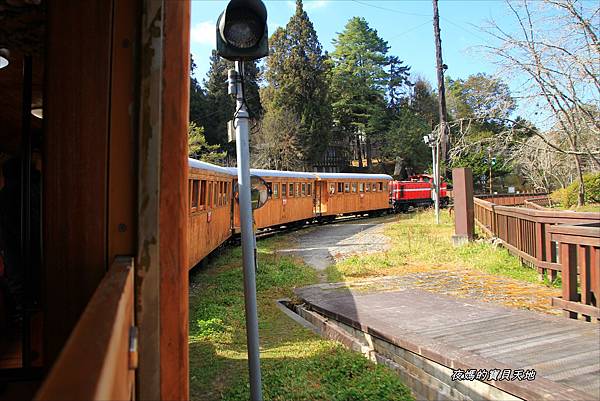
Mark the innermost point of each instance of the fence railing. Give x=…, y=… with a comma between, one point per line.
x=99, y=360
x=528, y=233
x=579, y=247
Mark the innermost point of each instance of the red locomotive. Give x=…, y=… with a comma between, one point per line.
x=415, y=192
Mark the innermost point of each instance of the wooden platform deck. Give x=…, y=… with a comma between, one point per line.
x=464, y=335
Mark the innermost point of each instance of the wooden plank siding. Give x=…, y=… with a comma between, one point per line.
x=209, y=223
x=286, y=208
x=355, y=200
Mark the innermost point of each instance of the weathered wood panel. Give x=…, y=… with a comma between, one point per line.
x=76, y=118
x=95, y=363
x=174, y=355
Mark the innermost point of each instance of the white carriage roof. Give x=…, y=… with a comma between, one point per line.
x=352, y=176
x=276, y=173
x=210, y=167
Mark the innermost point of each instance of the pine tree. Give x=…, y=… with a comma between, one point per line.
x=218, y=106
x=359, y=82
x=296, y=73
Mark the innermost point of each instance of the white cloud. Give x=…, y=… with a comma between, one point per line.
x=204, y=33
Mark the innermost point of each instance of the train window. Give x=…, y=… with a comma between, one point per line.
x=216, y=195
x=225, y=192
x=202, y=194
x=346, y=187
x=353, y=187
x=209, y=196
x=374, y=187
x=270, y=185
x=195, y=194
x=309, y=189
x=303, y=189
x=291, y=192
x=361, y=187
x=367, y=186
x=221, y=193
x=276, y=190
x=332, y=188
x=283, y=190
x=341, y=187
x=385, y=186
x=297, y=189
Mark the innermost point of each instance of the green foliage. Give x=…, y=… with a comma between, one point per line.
x=296, y=364
x=404, y=140
x=567, y=197
x=296, y=73
x=211, y=107
x=198, y=147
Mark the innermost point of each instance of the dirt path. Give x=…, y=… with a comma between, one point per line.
x=322, y=246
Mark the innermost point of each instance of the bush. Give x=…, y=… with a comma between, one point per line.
x=567, y=197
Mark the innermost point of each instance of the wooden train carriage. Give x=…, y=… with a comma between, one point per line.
x=342, y=193
x=210, y=191
x=291, y=199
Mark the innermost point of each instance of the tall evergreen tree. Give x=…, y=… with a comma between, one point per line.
x=359, y=82
x=218, y=107
x=296, y=73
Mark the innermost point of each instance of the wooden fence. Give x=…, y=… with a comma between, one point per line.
x=99, y=360
x=546, y=239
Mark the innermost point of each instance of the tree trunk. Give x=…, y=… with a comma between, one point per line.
x=398, y=166
x=369, y=154
x=359, y=151
x=581, y=195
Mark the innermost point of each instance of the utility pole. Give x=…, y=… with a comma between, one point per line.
x=443, y=137
x=433, y=142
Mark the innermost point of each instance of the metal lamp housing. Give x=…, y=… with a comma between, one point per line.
x=242, y=33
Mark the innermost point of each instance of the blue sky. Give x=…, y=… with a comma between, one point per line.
x=406, y=26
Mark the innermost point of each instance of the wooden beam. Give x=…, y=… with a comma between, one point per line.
x=173, y=204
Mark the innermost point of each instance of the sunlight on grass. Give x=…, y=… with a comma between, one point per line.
x=419, y=244
x=296, y=364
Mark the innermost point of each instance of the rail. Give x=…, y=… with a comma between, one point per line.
x=99, y=359
x=537, y=203
x=528, y=234
x=579, y=255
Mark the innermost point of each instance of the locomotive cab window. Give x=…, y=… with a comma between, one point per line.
x=276, y=190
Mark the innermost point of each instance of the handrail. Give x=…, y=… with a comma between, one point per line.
x=539, y=237
x=96, y=362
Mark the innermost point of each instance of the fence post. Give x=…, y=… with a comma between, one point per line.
x=463, y=205
x=568, y=259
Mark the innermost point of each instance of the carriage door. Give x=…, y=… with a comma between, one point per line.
x=321, y=197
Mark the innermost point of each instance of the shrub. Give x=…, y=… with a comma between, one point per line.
x=567, y=197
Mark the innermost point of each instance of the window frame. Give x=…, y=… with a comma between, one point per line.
x=340, y=188
x=303, y=189
x=354, y=187
x=347, y=187
x=275, y=190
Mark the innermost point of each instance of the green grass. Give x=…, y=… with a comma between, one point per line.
x=296, y=364
x=418, y=243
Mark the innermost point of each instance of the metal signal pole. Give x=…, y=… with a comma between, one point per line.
x=443, y=138
x=247, y=228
